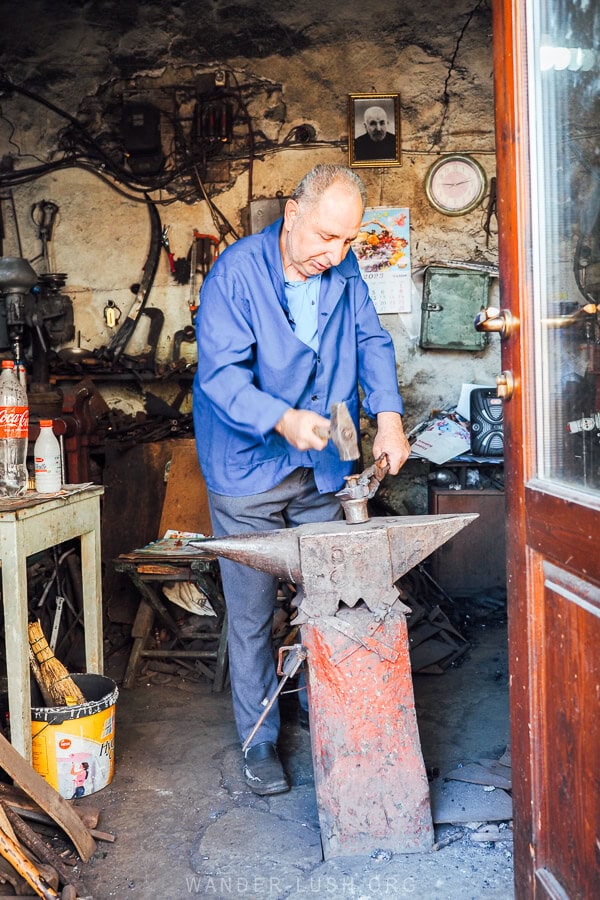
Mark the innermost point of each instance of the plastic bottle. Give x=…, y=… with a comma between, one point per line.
x=14, y=429
x=46, y=453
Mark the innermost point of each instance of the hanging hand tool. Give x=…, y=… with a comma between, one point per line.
x=296, y=654
x=203, y=253
x=193, y=298
x=167, y=246
x=185, y=335
x=491, y=212
x=146, y=360
x=119, y=341
x=43, y=215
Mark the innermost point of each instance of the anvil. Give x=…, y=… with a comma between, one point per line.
x=370, y=780
x=334, y=562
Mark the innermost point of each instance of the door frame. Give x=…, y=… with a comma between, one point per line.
x=535, y=509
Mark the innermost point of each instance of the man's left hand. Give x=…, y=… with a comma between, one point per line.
x=390, y=439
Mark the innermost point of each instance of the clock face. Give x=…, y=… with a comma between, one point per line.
x=455, y=184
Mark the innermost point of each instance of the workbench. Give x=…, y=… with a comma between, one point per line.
x=172, y=560
x=28, y=525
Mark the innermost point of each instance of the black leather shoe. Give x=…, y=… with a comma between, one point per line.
x=263, y=772
x=303, y=719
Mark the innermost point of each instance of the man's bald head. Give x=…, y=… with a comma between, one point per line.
x=376, y=122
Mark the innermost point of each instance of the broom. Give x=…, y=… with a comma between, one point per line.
x=50, y=671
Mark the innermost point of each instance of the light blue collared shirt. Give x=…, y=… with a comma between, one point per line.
x=303, y=303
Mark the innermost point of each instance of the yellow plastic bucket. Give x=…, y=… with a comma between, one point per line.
x=73, y=747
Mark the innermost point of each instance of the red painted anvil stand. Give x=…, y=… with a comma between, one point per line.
x=370, y=780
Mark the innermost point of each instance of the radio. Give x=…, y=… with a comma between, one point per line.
x=487, y=422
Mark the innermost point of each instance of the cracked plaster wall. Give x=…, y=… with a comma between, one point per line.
x=302, y=60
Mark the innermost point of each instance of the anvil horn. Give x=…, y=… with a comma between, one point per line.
x=419, y=536
x=276, y=552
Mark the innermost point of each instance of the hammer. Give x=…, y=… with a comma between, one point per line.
x=342, y=432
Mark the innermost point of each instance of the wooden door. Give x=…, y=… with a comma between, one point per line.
x=546, y=71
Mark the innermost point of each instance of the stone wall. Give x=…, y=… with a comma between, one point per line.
x=285, y=65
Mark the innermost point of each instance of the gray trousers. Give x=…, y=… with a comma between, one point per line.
x=251, y=595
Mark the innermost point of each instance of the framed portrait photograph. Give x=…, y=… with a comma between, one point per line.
x=374, y=129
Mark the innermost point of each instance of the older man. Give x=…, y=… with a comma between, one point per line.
x=285, y=328
x=378, y=142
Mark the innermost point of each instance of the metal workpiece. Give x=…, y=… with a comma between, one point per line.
x=359, y=489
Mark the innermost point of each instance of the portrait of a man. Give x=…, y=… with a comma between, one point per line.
x=374, y=121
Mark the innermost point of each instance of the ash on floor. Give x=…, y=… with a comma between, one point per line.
x=186, y=825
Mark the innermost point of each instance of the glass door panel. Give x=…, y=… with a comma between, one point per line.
x=564, y=110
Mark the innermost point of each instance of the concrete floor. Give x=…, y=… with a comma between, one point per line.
x=186, y=825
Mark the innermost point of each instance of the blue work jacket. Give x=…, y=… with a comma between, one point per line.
x=252, y=367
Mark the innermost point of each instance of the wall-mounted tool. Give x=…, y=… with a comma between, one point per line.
x=180, y=267
x=120, y=339
x=167, y=247
x=185, y=335
x=146, y=360
x=43, y=215
x=202, y=254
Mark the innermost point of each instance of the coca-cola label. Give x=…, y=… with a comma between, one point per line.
x=14, y=421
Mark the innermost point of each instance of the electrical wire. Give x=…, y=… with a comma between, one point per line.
x=81, y=147
x=251, y=138
x=182, y=168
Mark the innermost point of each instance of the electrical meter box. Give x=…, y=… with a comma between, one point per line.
x=451, y=300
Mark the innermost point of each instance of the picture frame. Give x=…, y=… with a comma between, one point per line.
x=374, y=130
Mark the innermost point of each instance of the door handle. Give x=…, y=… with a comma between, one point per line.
x=496, y=320
x=505, y=385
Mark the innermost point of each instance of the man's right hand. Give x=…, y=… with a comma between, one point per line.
x=300, y=426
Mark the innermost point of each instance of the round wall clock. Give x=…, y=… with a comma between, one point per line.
x=455, y=184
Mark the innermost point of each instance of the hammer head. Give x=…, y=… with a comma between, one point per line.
x=342, y=432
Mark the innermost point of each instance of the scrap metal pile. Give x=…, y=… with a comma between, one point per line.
x=143, y=427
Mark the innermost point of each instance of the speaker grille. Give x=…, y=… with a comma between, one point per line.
x=487, y=424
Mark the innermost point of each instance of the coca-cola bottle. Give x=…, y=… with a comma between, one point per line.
x=14, y=428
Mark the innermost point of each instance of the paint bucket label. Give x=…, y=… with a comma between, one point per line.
x=73, y=746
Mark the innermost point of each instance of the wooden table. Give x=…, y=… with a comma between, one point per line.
x=170, y=560
x=28, y=525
